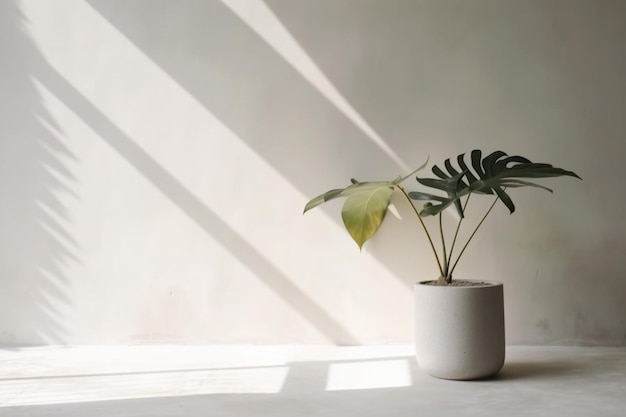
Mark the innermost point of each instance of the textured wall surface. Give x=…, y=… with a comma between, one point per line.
x=156, y=156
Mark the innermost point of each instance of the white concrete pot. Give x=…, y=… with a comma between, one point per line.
x=459, y=330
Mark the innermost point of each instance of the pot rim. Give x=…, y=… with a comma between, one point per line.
x=488, y=284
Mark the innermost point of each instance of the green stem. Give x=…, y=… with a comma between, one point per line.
x=423, y=227
x=458, y=227
x=472, y=235
x=443, y=244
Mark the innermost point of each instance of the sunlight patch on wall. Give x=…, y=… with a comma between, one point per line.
x=260, y=18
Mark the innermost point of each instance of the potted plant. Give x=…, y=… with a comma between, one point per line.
x=459, y=324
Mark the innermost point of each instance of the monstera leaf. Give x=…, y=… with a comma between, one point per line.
x=365, y=207
x=493, y=174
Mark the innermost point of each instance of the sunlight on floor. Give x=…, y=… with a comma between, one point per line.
x=104, y=387
x=367, y=375
x=325, y=381
x=60, y=375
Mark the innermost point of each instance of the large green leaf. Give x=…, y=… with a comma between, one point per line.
x=365, y=208
x=338, y=192
x=491, y=175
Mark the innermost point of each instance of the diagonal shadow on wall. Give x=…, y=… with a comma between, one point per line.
x=35, y=244
x=241, y=80
x=248, y=86
x=191, y=205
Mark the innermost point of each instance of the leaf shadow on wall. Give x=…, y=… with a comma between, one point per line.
x=36, y=245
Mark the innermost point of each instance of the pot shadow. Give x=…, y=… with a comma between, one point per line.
x=535, y=370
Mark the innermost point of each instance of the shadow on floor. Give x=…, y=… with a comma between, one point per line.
x=534, y=370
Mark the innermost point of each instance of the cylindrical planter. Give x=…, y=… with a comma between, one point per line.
x=459, y=330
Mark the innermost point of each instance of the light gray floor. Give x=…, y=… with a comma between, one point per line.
x=302, y=381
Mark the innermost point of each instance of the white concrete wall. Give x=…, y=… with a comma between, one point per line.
x=155, y=158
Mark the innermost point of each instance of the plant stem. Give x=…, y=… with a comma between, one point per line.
x=443, y=244
x=432, y=245
x=458, y=227
x=473, y=233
